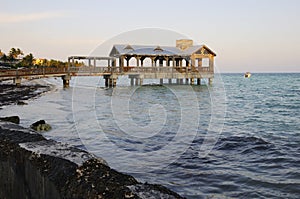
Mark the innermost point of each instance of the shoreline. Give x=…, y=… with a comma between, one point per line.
x=10, y=94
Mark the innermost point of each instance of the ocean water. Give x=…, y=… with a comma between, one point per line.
x=239, y=138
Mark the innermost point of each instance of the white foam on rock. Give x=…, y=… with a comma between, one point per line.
x=61, y=150
x=15, y=127
x=145, y=192
x=51, y=147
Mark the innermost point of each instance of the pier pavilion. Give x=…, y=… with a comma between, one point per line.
x=183, y=63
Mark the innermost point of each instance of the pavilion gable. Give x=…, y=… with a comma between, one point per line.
x=114, y=52
x=204, y=50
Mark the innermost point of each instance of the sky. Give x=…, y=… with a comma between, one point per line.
x=247, y=35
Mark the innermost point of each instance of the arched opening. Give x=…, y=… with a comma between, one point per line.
x=132, y=62
x=171, y=62
x=147, y=62
x=183, y=63
x=205, y=62
x=127, y=61
x=196, y=62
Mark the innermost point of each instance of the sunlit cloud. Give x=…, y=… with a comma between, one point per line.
x=18, y=18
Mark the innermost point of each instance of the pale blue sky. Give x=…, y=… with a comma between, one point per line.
x=247, y=35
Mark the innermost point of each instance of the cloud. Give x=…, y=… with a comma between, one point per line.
x=18, y=18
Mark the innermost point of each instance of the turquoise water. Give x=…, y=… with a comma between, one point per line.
x=239, y=138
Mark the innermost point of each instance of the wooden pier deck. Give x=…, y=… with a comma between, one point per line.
x=110, y=74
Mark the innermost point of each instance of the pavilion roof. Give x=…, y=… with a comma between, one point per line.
x=151, y=50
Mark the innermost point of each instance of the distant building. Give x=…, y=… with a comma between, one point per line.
x=39, y=61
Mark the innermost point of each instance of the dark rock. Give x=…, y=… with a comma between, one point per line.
x=10, y=94
x=13, y=119
x=96, y=179
x=20, y=103
x=41, y=168
x=40, y=125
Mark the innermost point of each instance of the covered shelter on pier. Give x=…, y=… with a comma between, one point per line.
x=184, y=56
x=181, y=62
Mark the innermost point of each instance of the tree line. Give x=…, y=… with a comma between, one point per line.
x=16, y=59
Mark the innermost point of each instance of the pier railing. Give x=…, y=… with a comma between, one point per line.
x=167, y=69
x=134, y=69
x=32, y=72
x=78, y=71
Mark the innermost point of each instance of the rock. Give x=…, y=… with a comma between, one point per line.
x=40, y=125
x=43, y=168
x=12, y=119
x=21, y=103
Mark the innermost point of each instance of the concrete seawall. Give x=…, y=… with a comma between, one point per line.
x=34, y=167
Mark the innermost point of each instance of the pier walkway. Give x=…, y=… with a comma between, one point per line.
x=111, y=74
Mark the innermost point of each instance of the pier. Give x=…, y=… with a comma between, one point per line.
x=184, y=63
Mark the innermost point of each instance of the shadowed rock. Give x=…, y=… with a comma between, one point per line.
x=10, y=94
x=21, y=103
x=13, y=119
x=41, y=168
x=40, y=125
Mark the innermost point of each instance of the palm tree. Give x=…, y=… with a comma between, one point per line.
x=27, y=61
x=14, y=53
x=11, y=54
x=19, y=52
x=3, y=58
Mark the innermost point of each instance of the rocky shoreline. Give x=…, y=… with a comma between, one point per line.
x=11, y=94
x=32, y=166
x=41, y=168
